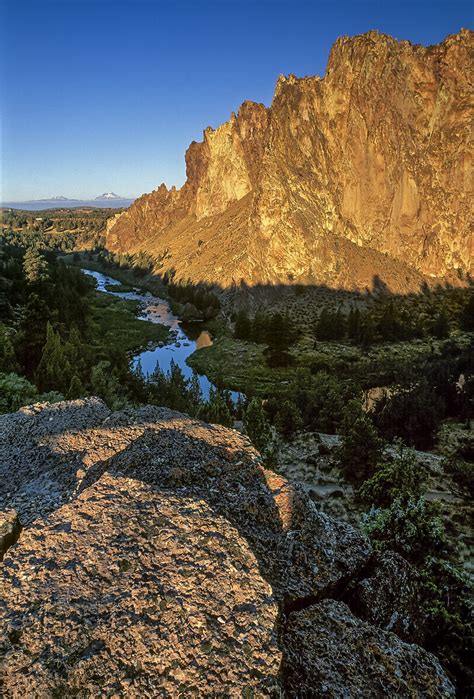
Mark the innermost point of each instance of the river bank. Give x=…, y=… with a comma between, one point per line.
x=175, y=342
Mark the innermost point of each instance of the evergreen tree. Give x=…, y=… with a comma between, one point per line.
x=467, y=315
x=35, y=266
x=259, y=324
x=388, y=325
x=323, y=329
x=412, y=527
x=361, y=448
x=54, y=371
x=280, y=332
x=105, y=385
x=177, y=387
x=440, y=327
x=15, y=391
x=216, y=410
x=288, y=419
x=76, y=389
x=8, y=362
x=31, y=337
x=243, y=326
x=194, y=394
x=256, y=424
x=340, y=325
x=412, y=413
x=354, y=325
x=399, y=478
x=367, y=330
x=330, y=325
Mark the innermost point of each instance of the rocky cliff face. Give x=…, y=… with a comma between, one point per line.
x=159, y=558
x=366, y=172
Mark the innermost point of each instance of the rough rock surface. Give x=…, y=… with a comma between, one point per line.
x=321, y=555
x=389, y=597
x=328, y=652
x=364, y=173
x=157, y=557
x=52, y=452
x=129, y=592
x=38, y=468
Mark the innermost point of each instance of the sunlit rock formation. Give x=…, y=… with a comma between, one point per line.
x=366, y=172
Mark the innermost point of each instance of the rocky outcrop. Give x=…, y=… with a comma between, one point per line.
x=52, y=452
x=330, y=653
x=389, y=596
x=160, y=558
x=220, y=171
x=131, y=592
x=365, y=173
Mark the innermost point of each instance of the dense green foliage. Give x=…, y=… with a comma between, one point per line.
x=430, y=392
x=50, y=334
x=394, y=479
x=55, y=229
x=431, y=313
x=61, y=338
x=409, y=525
x=141, y=264
x=361, y=448
x=16, y=391
x=256, y=424
x=401, y=519
x=275, y=330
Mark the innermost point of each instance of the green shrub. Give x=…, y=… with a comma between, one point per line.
x=400, y=478
x=413, y=528
x=256, y=424
x=361, y=447
x=288, y=419
x=462, y=473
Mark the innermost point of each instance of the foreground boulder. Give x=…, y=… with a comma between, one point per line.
x=126, y=590
x=328, y=652
x=50, y=453
x=390, y=597
x=322, y=556
x=41, y=460
x=160, y=558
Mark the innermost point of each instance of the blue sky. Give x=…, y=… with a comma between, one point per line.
x=102, y=95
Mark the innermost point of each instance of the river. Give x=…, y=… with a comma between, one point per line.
x=184, y=340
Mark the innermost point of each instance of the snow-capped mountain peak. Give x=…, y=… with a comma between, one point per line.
x=109, y=195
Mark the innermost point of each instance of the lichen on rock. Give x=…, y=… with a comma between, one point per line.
x=160, y=558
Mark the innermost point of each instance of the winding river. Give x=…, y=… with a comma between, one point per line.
x=183, y=341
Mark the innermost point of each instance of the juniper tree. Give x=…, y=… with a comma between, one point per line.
x=361, y=447
x=256, y=424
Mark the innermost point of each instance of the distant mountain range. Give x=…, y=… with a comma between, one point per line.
x=106, y=195
x=109, y=200
x=60, y=198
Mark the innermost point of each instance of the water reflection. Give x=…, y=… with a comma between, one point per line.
x=184, y=338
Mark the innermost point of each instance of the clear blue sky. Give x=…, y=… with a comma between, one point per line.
x=101, y=95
